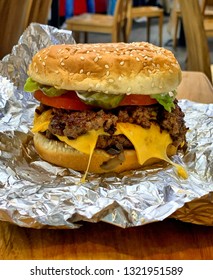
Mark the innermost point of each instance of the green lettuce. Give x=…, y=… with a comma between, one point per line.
x=106, y=101
x=166, y=100
x=32, y=86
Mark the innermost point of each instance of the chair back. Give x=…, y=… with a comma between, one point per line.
x=198, y=57
x=40, y=11
x=121, y=15
x=14, y=15
x=205, y=5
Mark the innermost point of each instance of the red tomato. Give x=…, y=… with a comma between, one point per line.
x=68, y=101
x=137, y=99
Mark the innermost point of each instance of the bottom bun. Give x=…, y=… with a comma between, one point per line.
x=61, y=154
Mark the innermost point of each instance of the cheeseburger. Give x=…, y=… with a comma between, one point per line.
x=106, y=107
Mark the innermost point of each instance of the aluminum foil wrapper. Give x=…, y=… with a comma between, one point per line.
x=36, y=194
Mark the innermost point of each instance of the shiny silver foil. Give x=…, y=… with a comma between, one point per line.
x=36, y=194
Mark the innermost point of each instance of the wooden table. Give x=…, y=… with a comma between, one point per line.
x=169, y=239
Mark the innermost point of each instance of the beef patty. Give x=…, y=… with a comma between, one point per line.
x=75, y=123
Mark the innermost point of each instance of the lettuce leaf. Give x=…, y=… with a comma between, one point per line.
x=166, y=100
x=32, y=86
x=106, y=101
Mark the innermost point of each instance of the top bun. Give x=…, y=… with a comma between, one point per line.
x=135, y=68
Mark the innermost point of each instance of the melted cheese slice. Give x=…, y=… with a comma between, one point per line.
x=85, y=143
x=41, y=122
x=148, y=143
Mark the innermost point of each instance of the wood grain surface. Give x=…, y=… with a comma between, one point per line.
x=168, y=239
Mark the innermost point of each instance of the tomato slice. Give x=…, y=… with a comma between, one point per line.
x=68, y=101
x=137, y=99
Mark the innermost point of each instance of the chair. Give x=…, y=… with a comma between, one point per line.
x=148, y=12
x=196, y=39
x=39, y=11
x=208, y=17
x=173, y=25
x=102, y=23
x=14, y=15
x=206, y=7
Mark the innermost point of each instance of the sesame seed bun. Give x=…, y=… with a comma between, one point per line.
x=60, y=154
x=115, y=68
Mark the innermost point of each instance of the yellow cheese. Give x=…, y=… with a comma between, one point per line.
x=85, y=143
x=148, y=143
x=41, y=122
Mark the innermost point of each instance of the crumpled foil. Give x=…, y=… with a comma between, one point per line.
x=36, y=194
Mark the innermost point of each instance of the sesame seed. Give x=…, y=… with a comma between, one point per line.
x=82, y=58
x=43, y=63
x=62, y=63
x=88, y=73
x=56, y=71
x=122, y=63
x=96, y=58
x=81, y=71
x=137, y=58
x=106, y=66
x=107, y=73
